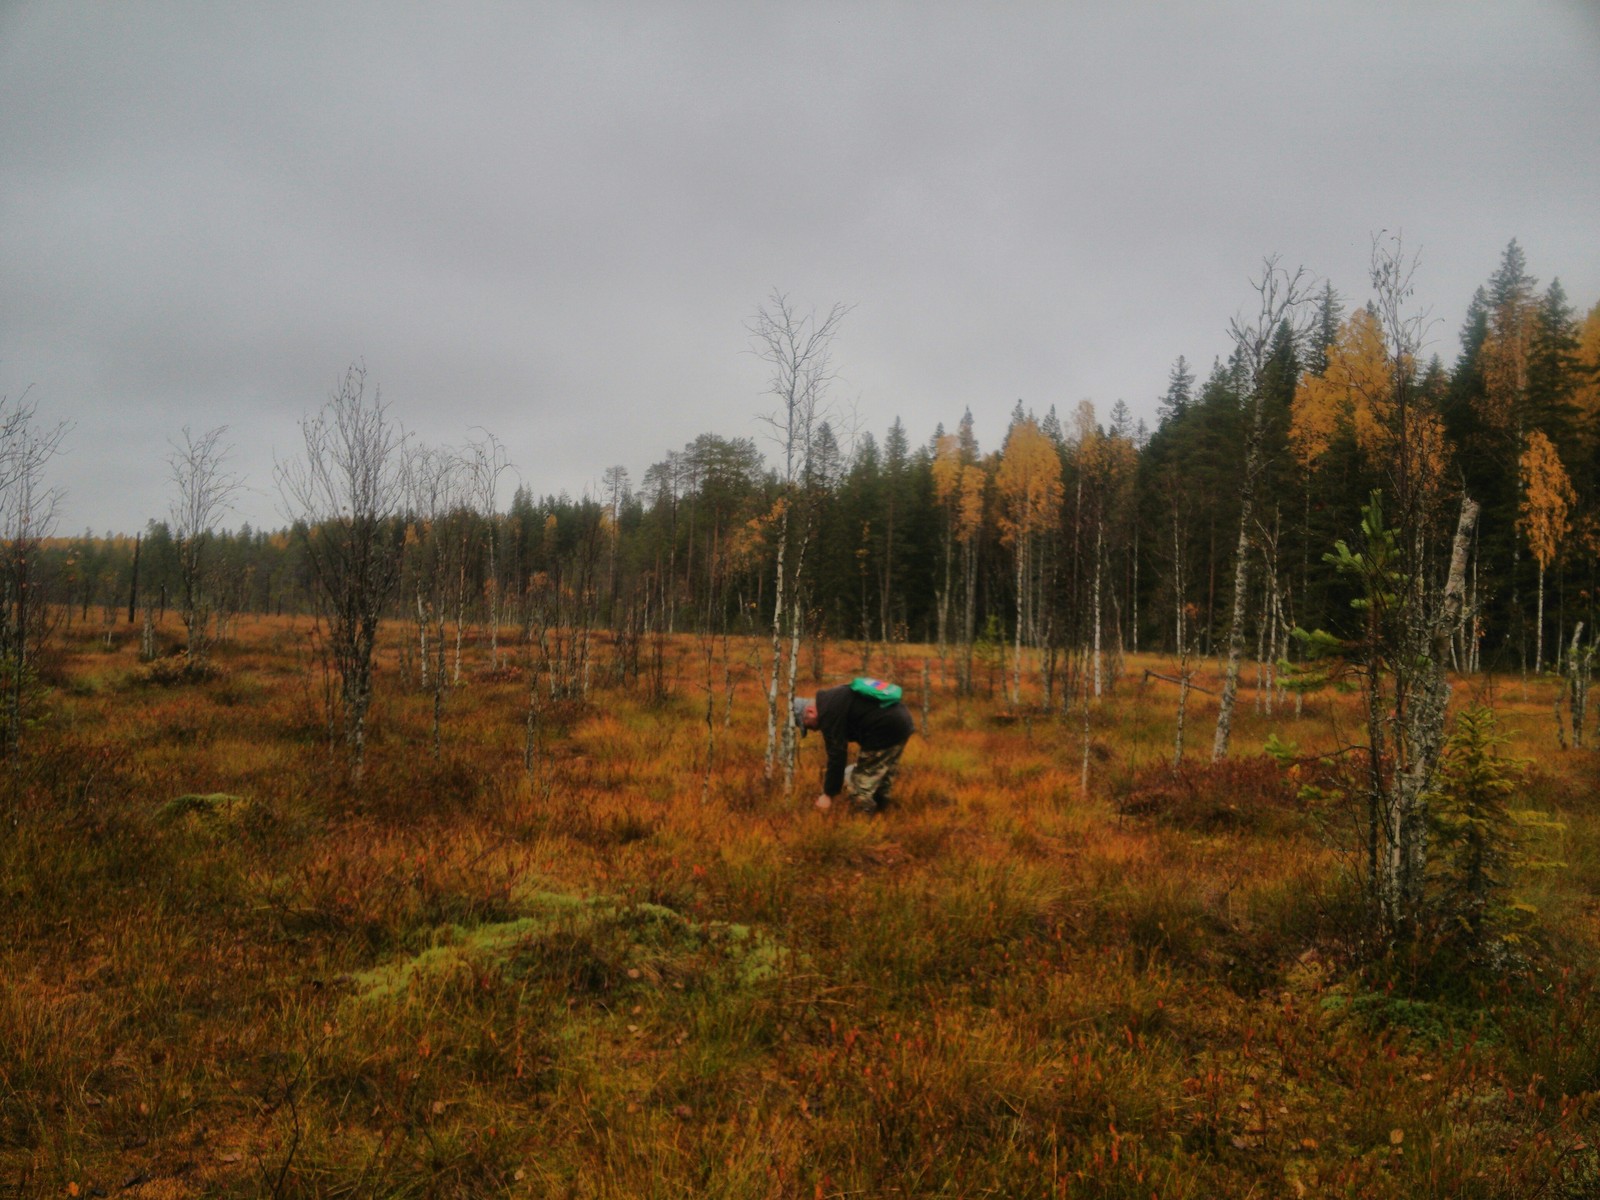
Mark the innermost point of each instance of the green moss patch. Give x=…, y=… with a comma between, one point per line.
x=590, y=945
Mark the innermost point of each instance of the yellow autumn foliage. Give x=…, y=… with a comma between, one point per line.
x=970, y=518
x=1586, y=394
x=1107, y=459
x=1547, y=499
x=1351, y=395
x=1354, y=396
x=1504, y=363
x=958, y=486
x=946, y=467
x=1030, y=482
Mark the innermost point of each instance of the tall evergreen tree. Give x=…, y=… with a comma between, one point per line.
x=1324, y=330
x=1552, y=366
x=1179, y=394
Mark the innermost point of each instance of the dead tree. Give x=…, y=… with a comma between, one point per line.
x=204, y=491
x=346, y=494
x=436, y=488
x=488, y=462
x=27, y=513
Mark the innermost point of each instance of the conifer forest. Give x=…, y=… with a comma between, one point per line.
x=1084, y=535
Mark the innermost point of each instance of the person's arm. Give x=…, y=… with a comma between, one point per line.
x=833, y=705
x=833, y=774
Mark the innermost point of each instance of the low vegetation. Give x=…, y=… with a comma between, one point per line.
x=633, y=970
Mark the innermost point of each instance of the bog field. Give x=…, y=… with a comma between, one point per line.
x=596, y=954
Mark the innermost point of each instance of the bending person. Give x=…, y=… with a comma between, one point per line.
x=855, y=713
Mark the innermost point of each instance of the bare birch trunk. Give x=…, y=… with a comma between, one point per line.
x=970, y=617
x=494, y=602
x=1016, y=664
x=1422, y=730
x=1178, y=588
x=788, y=744
x=944, y=604
x=1279, y=293
x=1134, y=630
x=422, y=641
x=1241, y=581
x=1580, y=663
x=777, y=647
x=1099, y=559
x=1183, y=704
x=1261, y=701
x=1538, y=627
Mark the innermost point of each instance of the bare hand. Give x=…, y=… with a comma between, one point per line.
x=824, y=803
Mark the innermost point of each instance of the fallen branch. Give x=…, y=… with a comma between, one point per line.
x=1193, y=687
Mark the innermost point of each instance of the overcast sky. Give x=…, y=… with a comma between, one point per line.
x=553, y=222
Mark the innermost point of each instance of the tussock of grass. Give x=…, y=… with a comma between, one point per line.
x=217, y=806
x=589, y=944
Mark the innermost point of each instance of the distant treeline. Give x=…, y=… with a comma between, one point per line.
x=1077, y=531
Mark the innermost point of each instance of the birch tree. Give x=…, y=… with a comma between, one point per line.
x=1280, y=295
x=1412, y=604
x=946, y=471
x=958, y=483
x=487, y=462
x=204, y=490
x=1106, y=468
x=1029, y=482
x=27, y=515
x=346, y=491
x=1547, y=499
x=1400, y=659
x=437, y=491
x=616, y=491
x=797, y=349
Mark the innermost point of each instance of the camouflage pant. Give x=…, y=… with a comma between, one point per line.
x=871, y=776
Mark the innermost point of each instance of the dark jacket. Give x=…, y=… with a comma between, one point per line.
x=845, y=716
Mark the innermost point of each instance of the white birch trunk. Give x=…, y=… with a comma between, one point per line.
x=1230, y=674
x=1538, y=635
x=1422, y=731
x=777, y=646
x=1099, y=559
x=1016, y=663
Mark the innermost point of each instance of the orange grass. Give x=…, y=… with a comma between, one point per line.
x=638, y=971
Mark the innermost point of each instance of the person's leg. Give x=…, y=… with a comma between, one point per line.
x=884, y=795
x=874, y=772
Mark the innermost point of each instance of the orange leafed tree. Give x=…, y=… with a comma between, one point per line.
x=946, y=466
x=1029, y=481
x=971, y=510
x=1505, y=355
x=1354, y=397
x=1547, y=501
x=958, y=485
x=1586, y=393
x=1350, y=396
x=1030, y=487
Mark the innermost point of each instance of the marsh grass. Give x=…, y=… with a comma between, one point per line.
x=225, y=970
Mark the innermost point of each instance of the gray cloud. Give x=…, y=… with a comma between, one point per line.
x=553, y=222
